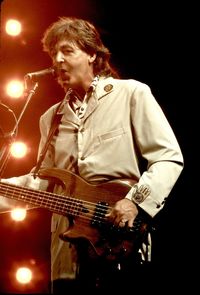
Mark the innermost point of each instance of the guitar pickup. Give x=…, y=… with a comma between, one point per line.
x=100, y=211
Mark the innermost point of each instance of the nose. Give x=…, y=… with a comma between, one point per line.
x=59, y=57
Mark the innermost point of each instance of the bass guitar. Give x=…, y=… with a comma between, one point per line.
x=86, y=206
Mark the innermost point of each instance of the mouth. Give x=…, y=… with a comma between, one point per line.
x=62, y=74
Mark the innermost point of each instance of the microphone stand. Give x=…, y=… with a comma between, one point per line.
x=5, y=155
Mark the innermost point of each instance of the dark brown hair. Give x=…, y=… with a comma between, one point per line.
x=85, y=36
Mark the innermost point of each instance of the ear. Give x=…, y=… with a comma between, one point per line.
x=92, y=58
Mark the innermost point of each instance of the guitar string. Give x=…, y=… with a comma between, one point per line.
x=92, y=214
x=77, y=204
x=60, y=198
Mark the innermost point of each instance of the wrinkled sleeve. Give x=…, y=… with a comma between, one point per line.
x=158, y=145
x=27, y=180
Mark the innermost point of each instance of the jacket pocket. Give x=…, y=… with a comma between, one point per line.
x=111, y=134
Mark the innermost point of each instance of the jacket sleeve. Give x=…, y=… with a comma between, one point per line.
x=27, y=180
x=159, y=147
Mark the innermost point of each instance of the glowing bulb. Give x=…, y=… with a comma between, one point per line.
x=18, y=214
x=15, y=88
x=13, y=27
x=24, y=275
x=18, y=149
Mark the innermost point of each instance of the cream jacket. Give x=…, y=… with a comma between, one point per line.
x=123, y=122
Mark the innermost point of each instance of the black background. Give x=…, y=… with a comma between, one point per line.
x=155, y=43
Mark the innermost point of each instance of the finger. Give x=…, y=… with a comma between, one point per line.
x=130, y=223
x=122, y=223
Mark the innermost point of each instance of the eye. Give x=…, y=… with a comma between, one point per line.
x=67, y=51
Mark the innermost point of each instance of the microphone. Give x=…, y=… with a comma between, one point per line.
x=39, y=74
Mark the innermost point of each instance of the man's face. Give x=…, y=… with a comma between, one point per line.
x=74, y=66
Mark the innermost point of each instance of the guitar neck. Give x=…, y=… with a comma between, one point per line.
x=78, y=199
x=56, y=203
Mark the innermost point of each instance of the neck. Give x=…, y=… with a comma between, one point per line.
x=81, y=90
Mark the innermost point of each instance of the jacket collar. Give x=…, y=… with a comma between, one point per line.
x=104, y=86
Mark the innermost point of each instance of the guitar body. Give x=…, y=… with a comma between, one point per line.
x=86, y=206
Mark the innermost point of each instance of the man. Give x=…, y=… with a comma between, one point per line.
x=110, y=129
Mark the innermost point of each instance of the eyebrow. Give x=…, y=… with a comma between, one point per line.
x=64, y=46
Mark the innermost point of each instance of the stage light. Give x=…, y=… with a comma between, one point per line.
x=13, y=27
x=18, y=149
x=24, y=275
x=18, y=214
x=15, y=88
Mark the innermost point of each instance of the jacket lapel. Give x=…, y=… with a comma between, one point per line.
x=104, y=87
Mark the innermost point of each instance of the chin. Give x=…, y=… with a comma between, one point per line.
x=63, y=84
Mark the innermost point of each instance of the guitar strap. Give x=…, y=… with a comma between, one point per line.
x=54, y=125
